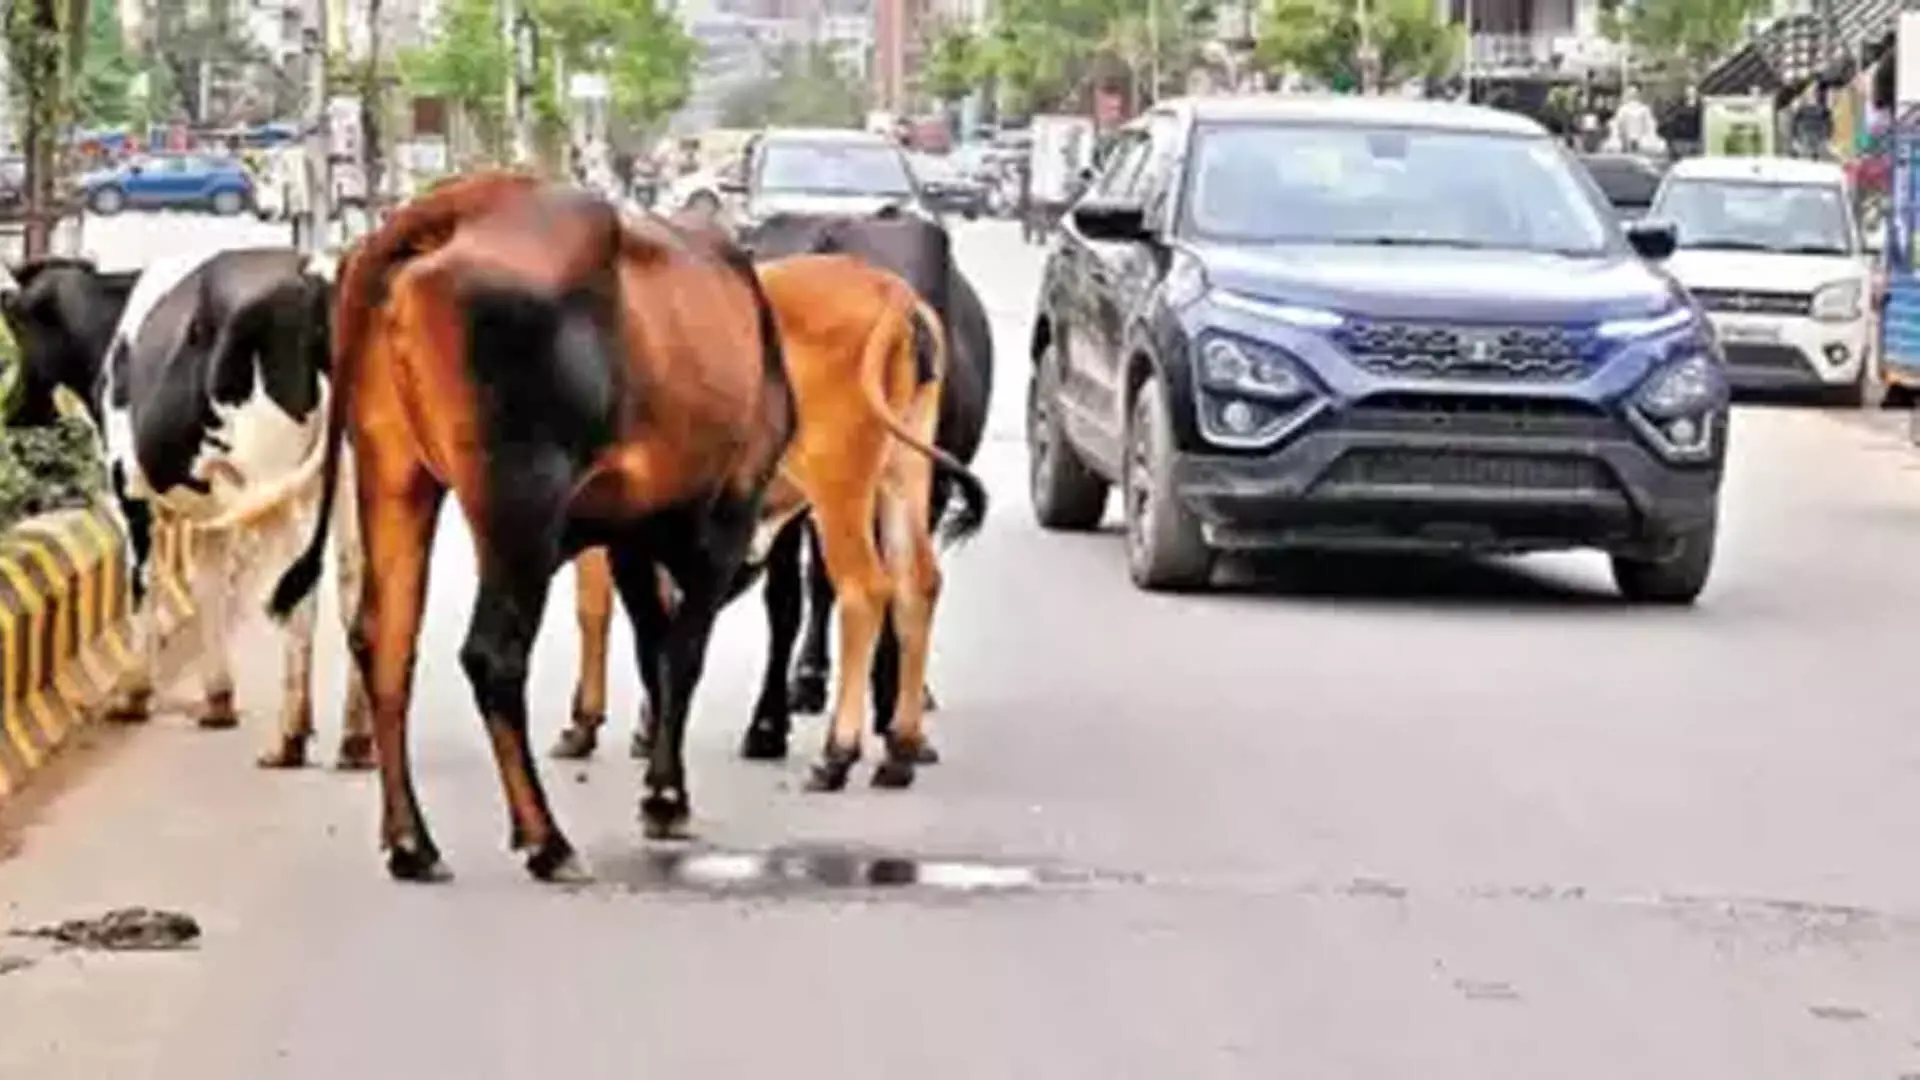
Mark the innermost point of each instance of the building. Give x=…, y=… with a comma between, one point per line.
x=1523, y=38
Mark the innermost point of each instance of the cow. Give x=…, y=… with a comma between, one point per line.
x=919, y=252
x=204, y=374
x=576, y=381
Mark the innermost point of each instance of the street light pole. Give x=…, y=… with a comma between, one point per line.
x=319, y=171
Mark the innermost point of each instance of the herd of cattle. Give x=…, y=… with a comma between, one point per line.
x=674, y=409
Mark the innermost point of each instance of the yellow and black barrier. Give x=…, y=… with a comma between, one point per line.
x=64, y=626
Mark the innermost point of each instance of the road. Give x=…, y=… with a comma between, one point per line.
x=1400, y=821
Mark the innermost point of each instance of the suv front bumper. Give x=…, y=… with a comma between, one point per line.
x=1403, y=480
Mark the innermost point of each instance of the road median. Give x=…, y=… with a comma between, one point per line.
x=65, y=641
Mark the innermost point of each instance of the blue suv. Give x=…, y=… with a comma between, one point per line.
x=170, y=182
x=1370, y=322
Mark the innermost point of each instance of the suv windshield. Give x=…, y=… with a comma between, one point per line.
x=1274, y=183
x=833, y=169
x=1738, y=215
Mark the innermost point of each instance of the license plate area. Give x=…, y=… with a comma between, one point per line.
x=1747, y=333
x=1460, y=470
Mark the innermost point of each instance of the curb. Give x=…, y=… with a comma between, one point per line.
x=64, y=640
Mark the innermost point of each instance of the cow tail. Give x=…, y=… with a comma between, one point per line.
x=886, y=341
x=359, y=297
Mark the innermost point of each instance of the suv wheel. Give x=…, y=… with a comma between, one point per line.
x=1165, y=550
x=1065, y=493
x=228, y=203
x=107, y=201
x=1674, y=578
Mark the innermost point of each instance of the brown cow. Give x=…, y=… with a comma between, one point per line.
x=847, y=329
x=576, y=382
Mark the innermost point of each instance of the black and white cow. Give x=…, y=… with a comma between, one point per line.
x=209, y=391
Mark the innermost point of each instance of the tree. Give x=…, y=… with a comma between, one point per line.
x=953, y=66
x=465, y=65
x=1321, y=39
x=809, y=88
x=1046, y=53
x=1681, y=37
x=189, y=42
x=106, y=71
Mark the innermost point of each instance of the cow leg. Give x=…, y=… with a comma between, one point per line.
x=703, y=574
x=296, y=688
x=861, y=584
x=647, y=585
x=916, y=578
x=133, y=700
x=519, y=550
x=808, y=693
x=349, y=554
x=400, y=511
x=593, y=605
x=216, y=672
x=766, y=738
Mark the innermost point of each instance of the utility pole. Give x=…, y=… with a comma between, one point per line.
x=319, y=179
x=1153, y=51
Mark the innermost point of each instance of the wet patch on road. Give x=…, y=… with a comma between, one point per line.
x=1845, y=1014
x=801, y=871
x=11, y=964
x=122, y=930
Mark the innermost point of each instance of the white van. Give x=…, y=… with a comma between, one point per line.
x=1770, y=248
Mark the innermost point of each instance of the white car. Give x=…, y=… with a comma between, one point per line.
x=1770, y=248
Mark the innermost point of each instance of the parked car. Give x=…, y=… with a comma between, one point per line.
x=1295, y=321
x=946, y=187
x=824, y=171
x=170, y=182
x=1629, y=181
x=1770, y=248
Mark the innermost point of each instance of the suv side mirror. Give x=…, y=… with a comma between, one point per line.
x=1654, y=240
x=1106, y=219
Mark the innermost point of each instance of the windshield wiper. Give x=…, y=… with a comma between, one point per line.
x=1812, y=249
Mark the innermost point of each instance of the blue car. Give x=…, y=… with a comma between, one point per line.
x=170, y=182
x=1284, y=322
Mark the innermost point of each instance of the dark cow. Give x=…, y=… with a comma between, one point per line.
x=208, y=403
x=920, y=253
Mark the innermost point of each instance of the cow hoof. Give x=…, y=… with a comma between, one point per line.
x=665, y=814
x=766, y=740
x=893, y=774
x=356, y=754
x=807, y=693
x=576, y=743
x=219, y=713
x=291, y=753
x=132, y=708
x=555, y=862
x=421, y=865
x=830, y=772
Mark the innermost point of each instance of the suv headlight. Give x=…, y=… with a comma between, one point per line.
x=1676, y=405
x=1838, y=302
x=1186, y=281
x=1250, y=395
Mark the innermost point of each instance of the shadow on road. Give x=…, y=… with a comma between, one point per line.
x=1408, y=579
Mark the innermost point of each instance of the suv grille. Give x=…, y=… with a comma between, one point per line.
x=1750, y=302
x=1478, y=415
x=1463, y=351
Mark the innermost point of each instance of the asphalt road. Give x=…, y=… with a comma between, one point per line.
x=1398, y=821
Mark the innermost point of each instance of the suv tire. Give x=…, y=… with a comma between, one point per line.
x=1165, y=549
x=1675, y=578
x=228, y=203
x=107, y=201
x=1066, y=495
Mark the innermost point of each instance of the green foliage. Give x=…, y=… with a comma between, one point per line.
x=953, y=66
x=639, y=45
x=1681, y=36
x=106, y=71
x=1042, y=54
x=49, y=469
x=1321, y=39
x=810, y=89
